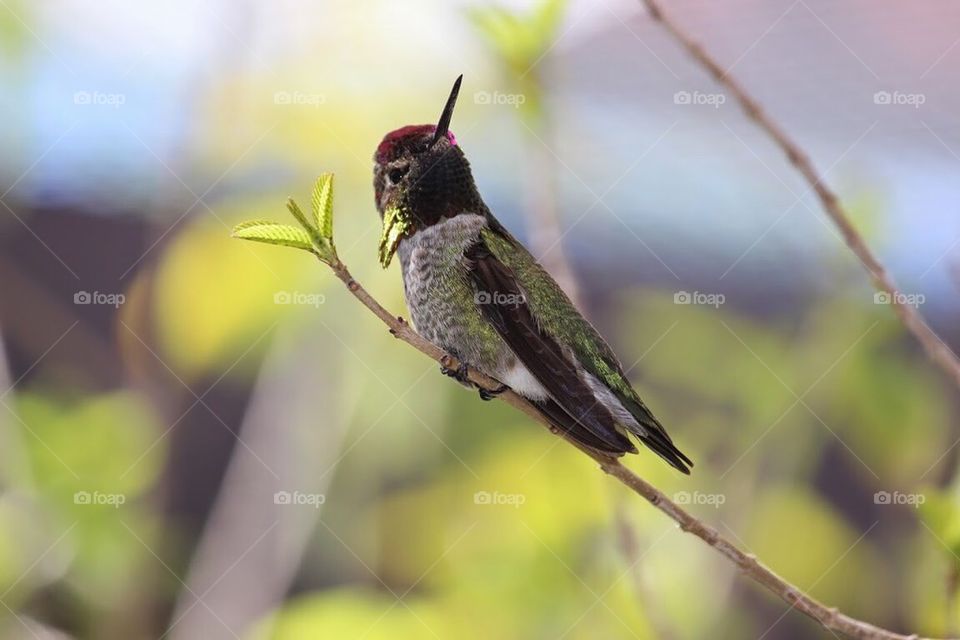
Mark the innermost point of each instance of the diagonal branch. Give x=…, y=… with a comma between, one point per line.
x=936, y=349
x=747, y=563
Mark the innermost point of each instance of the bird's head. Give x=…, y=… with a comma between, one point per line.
x=420, y=176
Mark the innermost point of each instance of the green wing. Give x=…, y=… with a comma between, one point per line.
x=556, y=313
x=559, y=318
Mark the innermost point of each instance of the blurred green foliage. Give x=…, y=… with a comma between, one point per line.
x=81, y=512
x=14, y=32
x=215, y=296
x=519, y=43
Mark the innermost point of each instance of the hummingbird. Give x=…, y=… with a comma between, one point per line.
x=475, y=291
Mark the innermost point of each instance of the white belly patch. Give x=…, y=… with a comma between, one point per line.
x=519, y=378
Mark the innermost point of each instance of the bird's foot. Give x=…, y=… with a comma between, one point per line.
x=461, y=373
x=490, y=394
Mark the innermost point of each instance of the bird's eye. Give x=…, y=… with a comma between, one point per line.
x=396, y=174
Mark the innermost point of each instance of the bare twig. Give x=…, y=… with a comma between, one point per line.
x=748, y=564
x=936, y=349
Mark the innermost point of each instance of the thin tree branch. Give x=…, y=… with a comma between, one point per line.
x=747, y=563
x=936, y=349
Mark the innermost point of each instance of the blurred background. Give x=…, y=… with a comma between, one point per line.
x=203, y=438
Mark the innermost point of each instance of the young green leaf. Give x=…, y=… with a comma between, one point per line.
x=273, y=233
x=294, y=208
x=323, y=206
x=315, y=238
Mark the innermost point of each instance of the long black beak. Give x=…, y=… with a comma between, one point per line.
x=447, y=114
